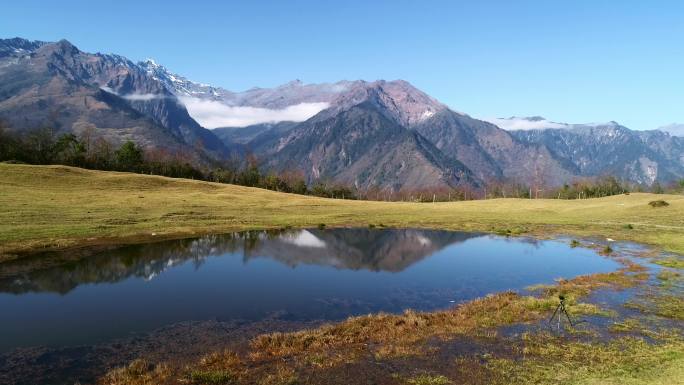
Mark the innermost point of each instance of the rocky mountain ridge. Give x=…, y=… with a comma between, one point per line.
x=385, y=135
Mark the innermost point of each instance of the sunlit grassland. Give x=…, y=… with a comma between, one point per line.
x=57, y=206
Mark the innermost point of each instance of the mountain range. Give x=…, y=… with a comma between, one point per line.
x=385, y=135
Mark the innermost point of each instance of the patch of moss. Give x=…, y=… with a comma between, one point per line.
x=212, y=377
x=669, y=277
x=626, y=326
x=554, y=360
x=673, y=262
x=428, y=379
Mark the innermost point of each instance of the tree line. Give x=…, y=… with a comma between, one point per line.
x=87, y=150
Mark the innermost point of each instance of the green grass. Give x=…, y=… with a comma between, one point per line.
x=673, y=262
x=212, y=377
x=56, y=206
x=668, y=276
x=627, y=360
x=426, y=379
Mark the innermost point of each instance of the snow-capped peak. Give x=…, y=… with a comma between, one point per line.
x=151, y=63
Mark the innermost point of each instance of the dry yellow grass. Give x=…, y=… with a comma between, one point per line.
x=57, y=206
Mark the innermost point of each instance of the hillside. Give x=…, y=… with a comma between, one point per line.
x=56, y=207
x=58, y=86
x=371, y=135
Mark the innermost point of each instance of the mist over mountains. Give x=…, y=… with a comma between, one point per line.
x=385, y=135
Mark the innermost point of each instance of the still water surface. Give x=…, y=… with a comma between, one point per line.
x=64, y=300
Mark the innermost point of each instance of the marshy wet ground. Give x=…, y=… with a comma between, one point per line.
x=72, y=317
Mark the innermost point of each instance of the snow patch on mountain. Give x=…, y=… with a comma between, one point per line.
x=304, y=238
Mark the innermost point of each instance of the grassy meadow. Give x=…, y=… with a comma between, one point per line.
x=48, y=207
x=53, y=207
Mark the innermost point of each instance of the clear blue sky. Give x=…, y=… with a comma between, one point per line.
x=571, y=61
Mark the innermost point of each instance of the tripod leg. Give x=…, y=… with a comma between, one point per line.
x=554, y=313
x=568, y=316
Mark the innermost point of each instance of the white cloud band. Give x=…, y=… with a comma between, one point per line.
x=213, y=114
x=524, y=124
x=134, y=97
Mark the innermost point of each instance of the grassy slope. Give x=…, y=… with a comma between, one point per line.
x=57, y=206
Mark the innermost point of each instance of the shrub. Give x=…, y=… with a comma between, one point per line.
x=658, y=203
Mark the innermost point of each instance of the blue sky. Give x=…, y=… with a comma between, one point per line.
x=570, y=61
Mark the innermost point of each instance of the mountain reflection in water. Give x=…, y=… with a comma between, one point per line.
x=355, y=249
x=79, y=297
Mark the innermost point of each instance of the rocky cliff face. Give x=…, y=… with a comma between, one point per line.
x=611, y=149
x=362, y=147
x=479, y=151
x=56, y=85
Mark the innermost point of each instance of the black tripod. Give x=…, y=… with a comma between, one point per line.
x=560, y=310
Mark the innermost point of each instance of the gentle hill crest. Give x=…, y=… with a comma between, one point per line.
x=66, y=207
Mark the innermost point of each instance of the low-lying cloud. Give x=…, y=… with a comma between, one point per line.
x=213, y=114
x=135, y=97
x=142, y=97
x=513, y=124
x=675, y=129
